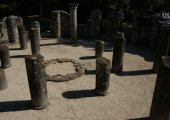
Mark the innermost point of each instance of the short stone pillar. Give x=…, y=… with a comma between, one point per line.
x=163, y=46
x=73, y=21
x=3, y=81
x=118, y=53
x=37, y=81
x=22, y=38
x=160, y=109
x=56, y=19
x=99, y=50
x=12, y=28
x=102, y=75
x=5, y=57
x=36, y=25
x=35, y=41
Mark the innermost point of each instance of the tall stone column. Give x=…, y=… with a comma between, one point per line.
x=56, y=19
x=160, y=109
x=12, y=28
x=73, y=21
x=118, y=53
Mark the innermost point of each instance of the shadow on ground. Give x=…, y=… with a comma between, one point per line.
x=145, y=118
x=90, y=72
x=15, y=49
x=79, y=94
x=87, y=57
x=12, y=106
x=18, y=56
x=134, y=73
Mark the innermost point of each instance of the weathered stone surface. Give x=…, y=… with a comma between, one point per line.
x=35, y=41
x=73, y=21
x=5, y=56
x=118, y=53
x=22, y=38
x=163, y=46
x=37, y=81
x=12, y=28
x=56, y=23
x=79, y=70
x=3, y=81
x=36, y=25
x=102, y=75
x=160, y=109
x=99, y=50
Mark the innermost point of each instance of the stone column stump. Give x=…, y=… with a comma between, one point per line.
x=102, y=75
x=3, y=81
x=37, y=81
x=35, y=41
x=5, y=57
x=163, y=46
x=73, y=21
x=99, y=50
x=118, y=53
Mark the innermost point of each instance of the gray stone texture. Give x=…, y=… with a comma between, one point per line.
x=37, y=81
x=102, y=75
x=99, y=49
x=12, y=28
x=163, y=47
x=118, y=52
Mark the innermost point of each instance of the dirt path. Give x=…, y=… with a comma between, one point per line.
x=130, y=92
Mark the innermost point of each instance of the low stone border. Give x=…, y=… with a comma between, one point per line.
x=79, y=68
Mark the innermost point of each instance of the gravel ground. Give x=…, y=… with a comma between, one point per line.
x=130, y=93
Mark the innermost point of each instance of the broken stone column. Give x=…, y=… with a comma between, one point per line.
x=12, y=28
x=22, y=38
x=35, y=41
x=5, y=56
x=118, y=53
x=56, y=23
x=102, y=75
x=162, y=46
x=3, y=81
x=99, y=50
x=37, y=81
x=36, y=25
x=73, y=21
x=160, y=109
